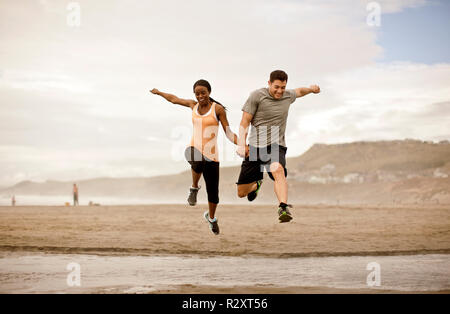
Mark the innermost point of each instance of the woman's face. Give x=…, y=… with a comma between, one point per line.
x=202, y=95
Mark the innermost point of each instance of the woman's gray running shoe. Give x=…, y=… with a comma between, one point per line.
x=192, y=199
x=214, y=226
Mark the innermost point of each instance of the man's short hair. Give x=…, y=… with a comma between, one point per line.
x=278, y=75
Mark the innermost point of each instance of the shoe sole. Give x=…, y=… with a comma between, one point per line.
x=250, y=200
x=284, y=218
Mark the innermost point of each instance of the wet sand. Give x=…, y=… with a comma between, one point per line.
x=245, y=230
x=22, y=272
x=190, y=289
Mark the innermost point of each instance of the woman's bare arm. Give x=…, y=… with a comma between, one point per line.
x=174, y=99
x=222, y=116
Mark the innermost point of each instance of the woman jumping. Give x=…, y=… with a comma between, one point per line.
x=202, y=152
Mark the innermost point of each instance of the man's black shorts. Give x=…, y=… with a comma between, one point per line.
x=260, y=158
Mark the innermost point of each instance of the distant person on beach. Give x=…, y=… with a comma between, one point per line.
x=202, y=152
x=75, y=194
x=13, y=200
x=267, y=111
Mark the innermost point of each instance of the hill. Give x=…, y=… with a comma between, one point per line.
x=382, y=172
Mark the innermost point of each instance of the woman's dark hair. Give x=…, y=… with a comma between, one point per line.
x=206, y=84
x=278, y=75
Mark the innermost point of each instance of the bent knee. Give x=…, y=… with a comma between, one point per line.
x=241, y=192
x=277, y=169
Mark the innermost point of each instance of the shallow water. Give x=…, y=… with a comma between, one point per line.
x=41, y=273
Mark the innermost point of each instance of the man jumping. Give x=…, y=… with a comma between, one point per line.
x=267, y=110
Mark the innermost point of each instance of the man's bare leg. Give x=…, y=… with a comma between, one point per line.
x=244, y=189
x=280, y=184
x=281, y=190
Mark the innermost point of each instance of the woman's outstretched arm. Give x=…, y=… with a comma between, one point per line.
x=174, y=99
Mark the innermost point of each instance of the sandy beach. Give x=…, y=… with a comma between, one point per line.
x=246, y=231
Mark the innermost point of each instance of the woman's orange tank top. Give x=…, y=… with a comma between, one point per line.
x=205, y=131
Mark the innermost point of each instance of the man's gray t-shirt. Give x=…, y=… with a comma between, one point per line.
x=269, y=116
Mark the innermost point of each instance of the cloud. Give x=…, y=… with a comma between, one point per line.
x=79, y=97
x=41, y=81
x=354, y=6
x=383, y=101
x=394, y=6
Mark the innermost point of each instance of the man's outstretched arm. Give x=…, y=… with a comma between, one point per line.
x=303, y=91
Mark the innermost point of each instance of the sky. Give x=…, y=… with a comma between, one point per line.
x=75, y=101
x=417, y=34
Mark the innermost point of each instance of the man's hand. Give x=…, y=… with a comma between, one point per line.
x=303, y=91
x=154, y=91
x=315, y=89
x=243, y=151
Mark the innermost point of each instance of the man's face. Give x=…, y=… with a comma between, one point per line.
x=277, y=88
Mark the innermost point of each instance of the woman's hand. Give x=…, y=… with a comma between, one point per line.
x=154, y=91
x=243, y=151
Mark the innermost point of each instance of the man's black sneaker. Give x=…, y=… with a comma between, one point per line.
x=252, y=195
x=213, y=225
x=192, y=199
x=283, y=213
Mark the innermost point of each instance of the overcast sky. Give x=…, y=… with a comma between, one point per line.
x=74, y=101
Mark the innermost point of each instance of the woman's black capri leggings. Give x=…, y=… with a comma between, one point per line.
x=210, y=170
